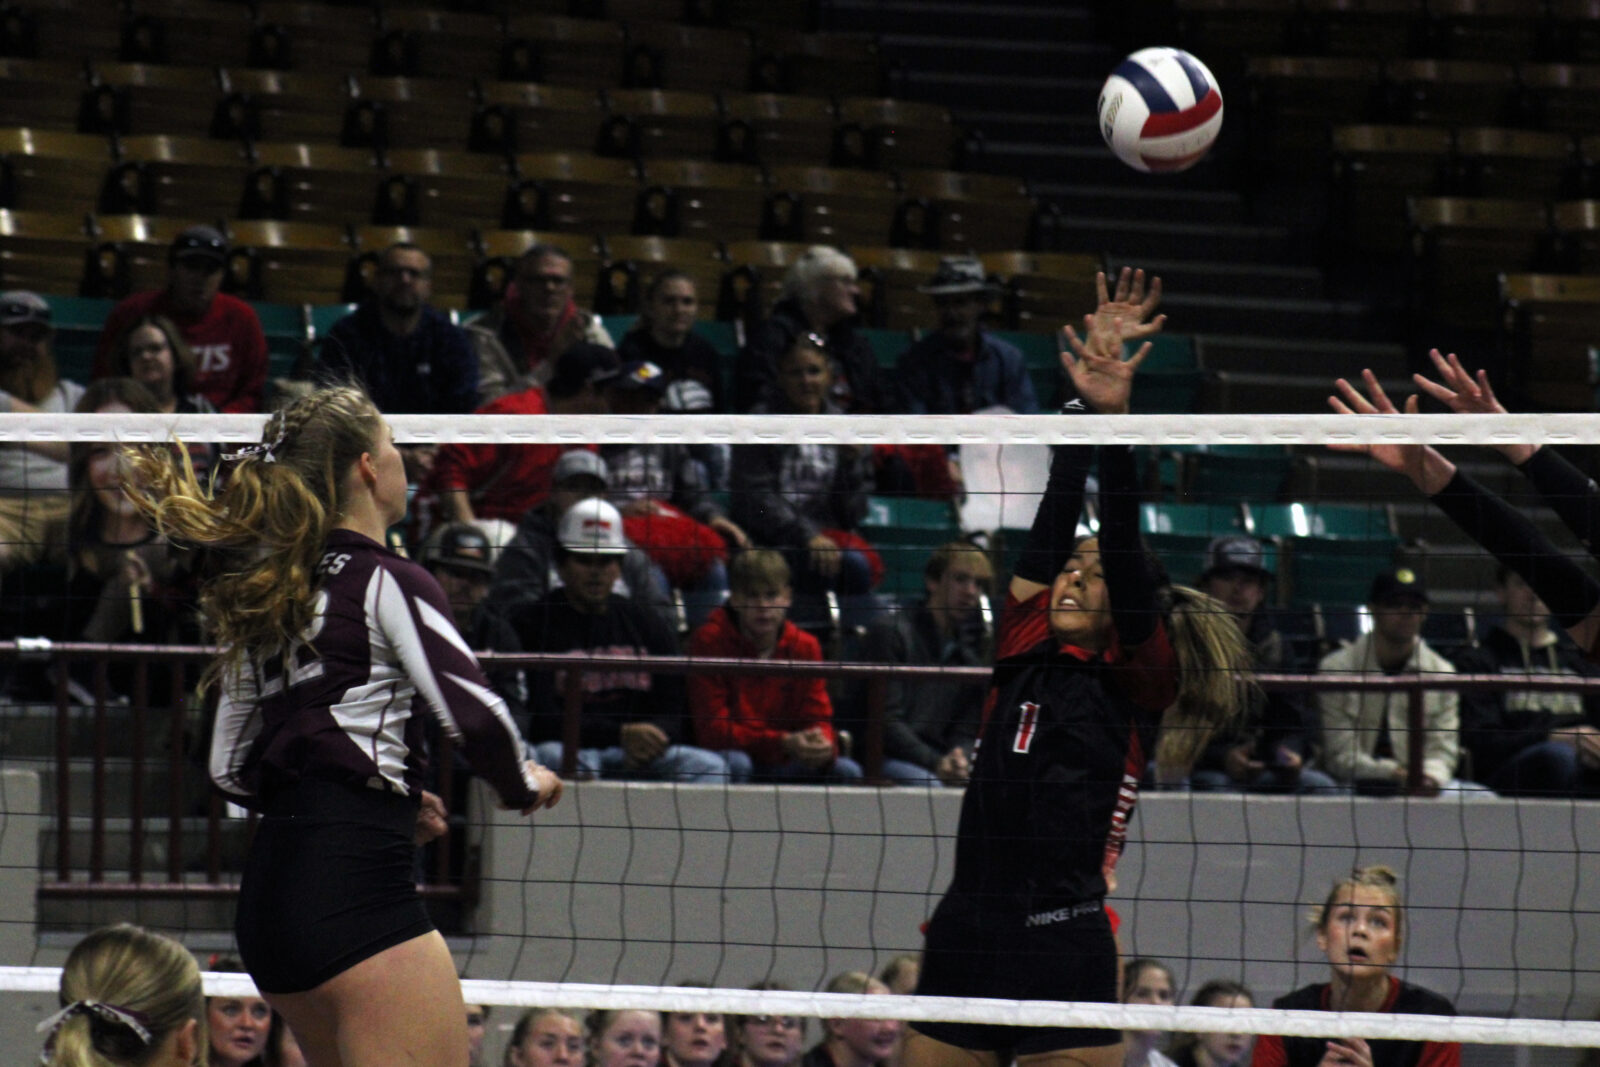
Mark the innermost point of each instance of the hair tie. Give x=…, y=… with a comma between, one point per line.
x=133, y=1020
x=264, y=451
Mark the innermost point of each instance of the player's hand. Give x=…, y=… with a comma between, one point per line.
x=1133, y=302
x=1469, y=394
x=1094, y=363
x=433, y=821
x=643, y=742
x=1423, y=464
x=547, y=785
x=1347, y=1052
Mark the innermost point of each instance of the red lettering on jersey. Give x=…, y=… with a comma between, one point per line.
x=1026, y=728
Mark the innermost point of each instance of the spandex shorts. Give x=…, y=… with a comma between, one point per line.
x=1063, y=953
x=330, y=881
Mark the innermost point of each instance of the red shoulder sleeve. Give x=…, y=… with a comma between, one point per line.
x=1269, y=1052
x=1024, y=623
x=1438, y=1054
x=1148, y=672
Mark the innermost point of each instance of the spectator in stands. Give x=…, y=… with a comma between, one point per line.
x=687, y=397
x=526, y=568
x=477, y=1028
x=664, y=335
x=818, y=298
x=222, y=330
x=129, y=998
x=153, y=353
x=408, y=355
x=666, y=507
x=772, y=727
x=238, y=1025
x=693, y=1038
x=546, y=1037
x=1361, y=928
x=1269, y=752
x=930, y=725
x=33, y=475
x=958, y=367
x=1146, y=981
x=855, y=1042
x=519, y=342
x=461, y=557
x=1530, y=742
x=624, y=1038
x=769, y=1040
x=631, y=720
x=900, y=974
x=1366, y=743
x=1216, y=1050
x=807, y=499
x=504, y=481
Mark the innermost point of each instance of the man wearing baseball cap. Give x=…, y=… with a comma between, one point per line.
x=631, y=720
x=33, y=476
x=958, y=368
x=223, y=330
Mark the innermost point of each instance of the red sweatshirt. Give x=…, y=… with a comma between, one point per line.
x=229, y=346
x=504, y=481
x=753, y=712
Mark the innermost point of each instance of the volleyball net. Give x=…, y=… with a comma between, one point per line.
x=631, y=887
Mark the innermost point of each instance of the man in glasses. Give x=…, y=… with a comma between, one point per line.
x=409, y=355
x=958, y=368
x=519, y=341
x=223, y=330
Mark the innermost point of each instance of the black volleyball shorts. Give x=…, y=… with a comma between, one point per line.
x=330, y=881
x=1055, y=953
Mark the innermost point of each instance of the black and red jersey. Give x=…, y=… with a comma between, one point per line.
x=1404, y=999
x=1065, y=737
x=347, y=701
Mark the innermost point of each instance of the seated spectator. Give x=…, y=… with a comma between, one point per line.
x=1268, y=752
x=929, y=725
x=624, y=1038
x=526, y=569
x=806, y=500
x=693, y=1038
x=855, y=1042
x=222, y=330
x=900, y=974
x=238, y=1025
x=504, y=481
x=1146, y=981
x=477, y=1029
x=1216, y=1050
x=546, y=1037
x=1360, y=927
x=958, y=368
x=631, y=720
x=519, y=342
x=818, y=298
x=770, y=1040
x=407, y=354
x=461, y=558
x=130, y=999
x=664, y=335
x=1530, y=742
x=687, y=397
x=666, y=508
x=33, y=475
x=1366, y=743
x=154, y=354
x=770, y=727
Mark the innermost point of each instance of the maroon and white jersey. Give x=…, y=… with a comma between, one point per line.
x=346, y=702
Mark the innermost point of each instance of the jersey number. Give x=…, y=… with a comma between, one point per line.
x=1027, y=726
x=298, y=671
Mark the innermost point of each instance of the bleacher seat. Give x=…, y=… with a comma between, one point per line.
x=525, y=116
x=1460, y=246
x=1327, y=571
x=561, y=50
x=42, y=250
x=1192, y=520
x=1329, y=522
x=161, y=174
x=776, y=129
x=829, y=205
x=1375, y=168
x=149, y=98
x=1564, y=97
x=657, y=123
x=1235, y=472
x=279, y=106
x=901, y=133
x=1577, y=225
x=1519, y=164
x=645, y=257
x=970, y=211
x=451, y=249
x=1296, y=99
x=288, y=263
x=1549, y=326
x=573, y=192
x=305, y=182
x=889, y=281
x=1450, y=92
x=671, y=55
x=695, y=198
x=905, y=530
x=131, y=253
x=51, y=170
x=437, y=44
x=78, y=321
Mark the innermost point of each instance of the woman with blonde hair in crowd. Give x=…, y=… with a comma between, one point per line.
x=546, y=1037
x=624, y=1038
x=1146, y=981
x=129, y=998
x=1361, y=927
x=1216, y=1049
x=334, y=653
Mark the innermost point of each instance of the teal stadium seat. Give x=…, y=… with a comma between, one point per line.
x=617, y=325
x=1233, y=473
x=724, y=336
x=1192, y=520
x=1370, y=522
x=287, y=338
x=1334, y=571
x=905, y=530
x=78, y=321
x=886, y=345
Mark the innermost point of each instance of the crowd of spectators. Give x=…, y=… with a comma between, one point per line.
x=628, y=550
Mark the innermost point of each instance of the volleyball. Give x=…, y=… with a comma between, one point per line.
x=1160, y=110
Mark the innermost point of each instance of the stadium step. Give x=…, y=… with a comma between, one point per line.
x=1150, y=203
x=1251, y=280
x=1128, y=240
x=1042, y=57
x=1019, y=21
x=1318, y=359
x=1202, y=313
x=1007, y=126
x=960, y=90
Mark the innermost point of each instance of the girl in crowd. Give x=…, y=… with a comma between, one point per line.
x=240, y=1027
x=664, y=335
x=693, y=1038
x=333, y=649
x=1146, y=981
x=546, y=1037
x=1572, y=596
x=153, y=353
x=770, y=1040
x=1216, y=1050
x=856, y=1042
x=128, y=999
x=1100, y=662
x=624, y=1038
x=1360, y=926
x=807, y=499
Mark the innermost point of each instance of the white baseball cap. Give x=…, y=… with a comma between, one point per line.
x=592, y=527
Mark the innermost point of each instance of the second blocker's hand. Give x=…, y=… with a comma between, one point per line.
x=1428, y=470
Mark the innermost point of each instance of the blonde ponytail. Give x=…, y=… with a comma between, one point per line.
x=124, y=991
x=1214, y=678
